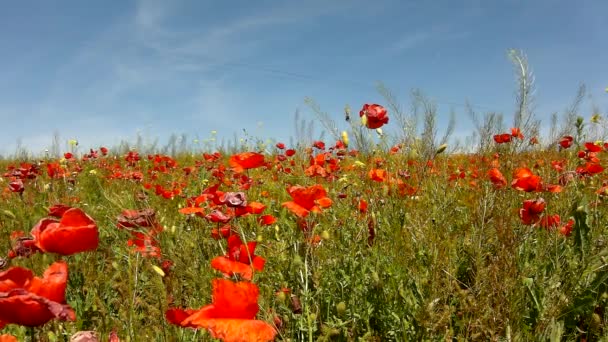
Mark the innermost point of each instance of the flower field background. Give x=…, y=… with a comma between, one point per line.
x=332, y=240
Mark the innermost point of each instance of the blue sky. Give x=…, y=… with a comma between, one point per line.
x=102, y=71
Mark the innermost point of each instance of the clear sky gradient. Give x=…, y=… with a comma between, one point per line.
x=101, y=71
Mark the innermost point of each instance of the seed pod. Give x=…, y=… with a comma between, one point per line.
x=296, y=306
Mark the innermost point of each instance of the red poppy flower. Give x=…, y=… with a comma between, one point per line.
x=145, y=244
x=234, y=199
x=217, y=216
x=592, y=147
x=497, y=178
x=377, y=175
x=290, y=152
x=241, y=259
x=566, y=229
x=8, y=338
x=132, y=219
x=31, y=301
x=502, y=138
x=76, y=232
x=566, y=141
x=57, y=210
x=16, y=186
x=550, y=222
x=318, y=145
x=525, y=180
x=516, y=133
x=362, y=206
x=531, y=211
x=376, y=115
x=589, y=169
x=305, y=200
x=231, y=316
x=280, y=146
x=246, y=160
x=267, y=220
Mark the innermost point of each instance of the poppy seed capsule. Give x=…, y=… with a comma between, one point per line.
x=341, y=309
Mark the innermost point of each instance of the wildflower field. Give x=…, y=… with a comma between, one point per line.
x=356, y=237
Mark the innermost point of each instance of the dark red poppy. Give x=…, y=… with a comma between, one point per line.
x=502, y=138
x=136, y=219
x=234, y=199
x=566, y=141
x=216, y=216
x=319, y=145
x=280, y=146
x=375, y=115
x=231, y=316
x=16, y=186
x=75, y=232
x=31, y=301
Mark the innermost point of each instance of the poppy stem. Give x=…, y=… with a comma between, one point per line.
x=131, y=313
x=31, y=334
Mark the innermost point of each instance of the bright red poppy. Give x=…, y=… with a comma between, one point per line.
x=377, y=175
x=376, y=115
x=32, y=301
x=525, y=180
x=8, y=338
x=231, y=316
x=241, y=259
x=74, y=233
x=246, y=160
x=502, y=138
x=516, y=133
x=531, y=211
x=307, y=199
x=566, y=229
x=566, y=141
x=497, y=178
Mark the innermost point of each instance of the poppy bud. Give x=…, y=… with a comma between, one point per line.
x=296, y=305
x=345, y=138
x=441, y=149
x=297, y=261
x=281, y=296
x=341, y=309
x=364, y=120
x=325, y=235
x=312, y=317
